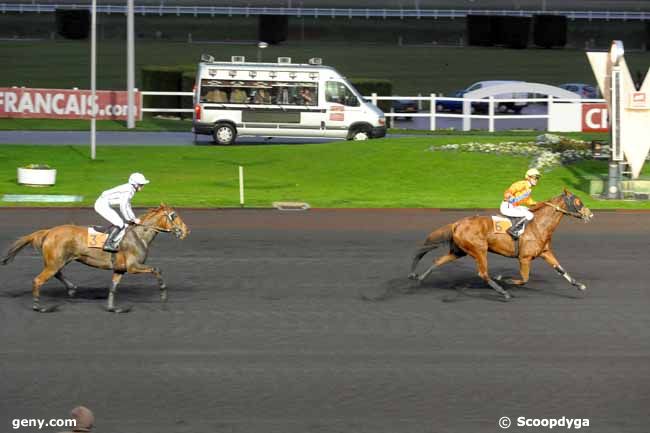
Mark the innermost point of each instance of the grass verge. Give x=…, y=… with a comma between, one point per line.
x=398, y=172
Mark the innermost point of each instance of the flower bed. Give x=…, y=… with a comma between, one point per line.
x=546, y=152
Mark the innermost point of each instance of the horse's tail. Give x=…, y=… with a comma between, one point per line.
x=35, y=239
x=433, y=241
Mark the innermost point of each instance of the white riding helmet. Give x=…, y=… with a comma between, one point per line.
x=138, y=179
x=533, y=172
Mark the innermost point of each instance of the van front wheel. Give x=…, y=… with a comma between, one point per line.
x=359, y=133
x=224, y=134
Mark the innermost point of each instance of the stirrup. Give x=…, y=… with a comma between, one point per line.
x=513, y=233
x=110, y=248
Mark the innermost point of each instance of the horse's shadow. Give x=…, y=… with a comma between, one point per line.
x=463, y=289
x=85, y=294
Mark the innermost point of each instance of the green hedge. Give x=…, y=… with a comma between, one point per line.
x=368, y=86
x=167, y=79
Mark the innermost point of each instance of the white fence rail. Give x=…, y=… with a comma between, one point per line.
x=492, y=113
x=322, y=12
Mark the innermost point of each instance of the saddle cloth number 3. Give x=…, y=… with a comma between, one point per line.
x=95, y=239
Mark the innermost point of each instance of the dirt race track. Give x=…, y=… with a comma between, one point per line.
x=305, y=322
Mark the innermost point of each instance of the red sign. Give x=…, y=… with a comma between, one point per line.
x=25, y=103
x=594, y=118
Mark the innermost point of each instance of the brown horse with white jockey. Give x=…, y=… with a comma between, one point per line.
x=63, y=244
x=478, y=235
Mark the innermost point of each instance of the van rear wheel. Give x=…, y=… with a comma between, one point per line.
x=224, y=134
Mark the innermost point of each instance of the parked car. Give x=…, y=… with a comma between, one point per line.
x=447, y=105
x=404, y=106
x=585, y=91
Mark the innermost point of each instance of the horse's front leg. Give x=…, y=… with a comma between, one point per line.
x=550, y=258
x=138, y=268
x=115, y=280
x=524, y=270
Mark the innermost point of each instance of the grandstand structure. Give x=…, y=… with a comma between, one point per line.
x=420, y=9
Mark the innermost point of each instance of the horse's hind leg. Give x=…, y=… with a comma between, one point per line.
x=481, y=261
x=37, y=283
x=449, y=257
x=69, y=285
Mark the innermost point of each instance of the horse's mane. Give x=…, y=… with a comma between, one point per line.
x=540, y=205
x=154, y=211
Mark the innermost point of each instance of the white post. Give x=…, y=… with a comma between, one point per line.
x=419, y=102
x=93, y=79
x=491, y=114
x=549, y=112
x=130, y=66
x=241, y=186
x=373, y=99
x=432, y=110
x=467, y=113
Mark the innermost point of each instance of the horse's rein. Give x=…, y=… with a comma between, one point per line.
x=566, y=212
x=155, y=228
x=158, y=228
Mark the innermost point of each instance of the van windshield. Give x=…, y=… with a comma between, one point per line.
x=259, y=92
x=338, y=92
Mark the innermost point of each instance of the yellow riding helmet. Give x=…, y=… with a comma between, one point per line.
x=533, y=172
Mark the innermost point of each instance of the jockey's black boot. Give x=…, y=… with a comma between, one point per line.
x=514, y=229
x=110, y=245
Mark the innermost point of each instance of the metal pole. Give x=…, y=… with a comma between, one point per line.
x=130, y=66
x=614, y=175
x=93, y=79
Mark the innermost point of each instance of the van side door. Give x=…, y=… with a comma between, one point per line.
x=343, y=108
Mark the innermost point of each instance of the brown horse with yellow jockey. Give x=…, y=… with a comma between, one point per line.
x=477, y=235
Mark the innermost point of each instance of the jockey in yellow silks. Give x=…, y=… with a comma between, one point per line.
x=517, y=198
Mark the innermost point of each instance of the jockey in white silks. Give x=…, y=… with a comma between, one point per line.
x=120, y=196
x=517, y=198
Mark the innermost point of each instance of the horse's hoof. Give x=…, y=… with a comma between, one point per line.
x=72, y=292
x=581, y=287
x=118, y=310
x=507, y=297
x=499, y=277
x=413, y=276
x=50, y=309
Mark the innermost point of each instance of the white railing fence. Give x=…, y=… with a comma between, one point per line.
x=492, y=114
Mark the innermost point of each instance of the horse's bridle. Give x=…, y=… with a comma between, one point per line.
x=573, y=211
x=171, y=216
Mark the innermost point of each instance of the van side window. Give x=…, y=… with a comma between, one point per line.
x=259, y=92
x=337, y=92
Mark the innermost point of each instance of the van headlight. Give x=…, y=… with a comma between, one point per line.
x=382, y=121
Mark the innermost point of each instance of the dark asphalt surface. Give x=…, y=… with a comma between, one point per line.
x=269, y=329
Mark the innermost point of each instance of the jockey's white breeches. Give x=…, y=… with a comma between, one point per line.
x=105, y=210
x=508, y=209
